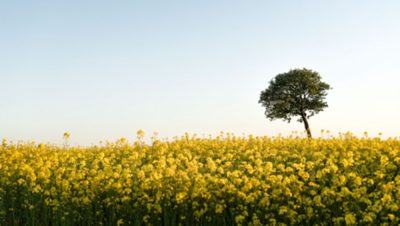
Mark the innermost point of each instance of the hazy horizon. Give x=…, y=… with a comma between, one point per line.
x=103, y=70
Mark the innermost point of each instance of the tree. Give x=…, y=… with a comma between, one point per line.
x=298, y=92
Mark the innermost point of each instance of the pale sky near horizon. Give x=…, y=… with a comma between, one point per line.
x=104, y=69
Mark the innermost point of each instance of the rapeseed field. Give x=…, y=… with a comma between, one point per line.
x=223, y=180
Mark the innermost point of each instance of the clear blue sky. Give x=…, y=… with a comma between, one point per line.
x=104, y=69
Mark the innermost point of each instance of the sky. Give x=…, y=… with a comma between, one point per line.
x=102, y=70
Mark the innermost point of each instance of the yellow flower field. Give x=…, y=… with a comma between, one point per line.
x=226, y=180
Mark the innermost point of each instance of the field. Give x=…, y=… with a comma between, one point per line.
x=225, y=180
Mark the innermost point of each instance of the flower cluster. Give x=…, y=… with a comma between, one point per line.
x=226, y=180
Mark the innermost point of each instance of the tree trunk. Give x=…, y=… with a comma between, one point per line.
x=307, y=127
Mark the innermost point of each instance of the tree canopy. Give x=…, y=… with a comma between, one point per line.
x=298, y=92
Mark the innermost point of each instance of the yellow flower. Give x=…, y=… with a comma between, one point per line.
x=350, y=219
x=219, y=208
x=386, y=198
x=369, y=217
x=20, y=181
x=66, y=135
x=391, y=216
x=239, y=219
x=384, y=160
x=120, y=222
x=140, y=134
x=304, y=175
x=180, y=197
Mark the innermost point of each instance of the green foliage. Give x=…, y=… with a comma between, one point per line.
x=299, y=92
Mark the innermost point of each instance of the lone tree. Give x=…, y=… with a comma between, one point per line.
x=299, y=92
